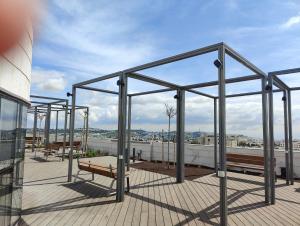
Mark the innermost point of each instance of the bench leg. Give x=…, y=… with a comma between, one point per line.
x=77, y=176
x=93, y=176
x=109, y=193
x=128, y=186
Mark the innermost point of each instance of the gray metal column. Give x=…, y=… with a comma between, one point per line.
x=56, y=126
x=122, y=83
x=65, y=130
x=128, y=134
x=34, y=129
x=289, y=102
x=47, y=127
x=180, y=136
x=286, y=137
x=271, y=139
x=266, y=140
x=72, y=122
x=70, y=112
x=86, y=128
x=215, y=135
x=222, y=137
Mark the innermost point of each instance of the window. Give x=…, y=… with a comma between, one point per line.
x=12, y=135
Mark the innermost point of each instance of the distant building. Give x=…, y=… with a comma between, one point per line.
x=231, y=141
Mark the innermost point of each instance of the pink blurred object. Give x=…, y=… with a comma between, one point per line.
x=15, y=16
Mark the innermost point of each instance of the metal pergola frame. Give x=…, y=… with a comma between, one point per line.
x=52, y=105
x=273, y=79
x=219, y=107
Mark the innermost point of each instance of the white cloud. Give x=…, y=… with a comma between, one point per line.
x=291, y=22
x=75, y=36
x=48, y=80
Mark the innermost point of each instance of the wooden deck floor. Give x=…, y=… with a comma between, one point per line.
x=154, y=199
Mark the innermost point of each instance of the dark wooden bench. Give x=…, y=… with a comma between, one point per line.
x=109, y=171
x=251, y=162
x=76, y=144
x=51, y=149
x=60, y=144
x=29, y=140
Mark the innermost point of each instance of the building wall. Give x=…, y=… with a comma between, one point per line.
x=15, y=68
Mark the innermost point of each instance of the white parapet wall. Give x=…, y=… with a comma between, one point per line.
x=15, y=68
x=194, y=153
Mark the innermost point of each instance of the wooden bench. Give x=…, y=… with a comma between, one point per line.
x=29, y=140
x=252, y=162
x=60, y=144
x=110, y=172
x=76, y=144
x=51, y=149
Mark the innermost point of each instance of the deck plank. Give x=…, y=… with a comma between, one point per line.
x=155, y=199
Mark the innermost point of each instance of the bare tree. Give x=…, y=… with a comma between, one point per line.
x=170, y=112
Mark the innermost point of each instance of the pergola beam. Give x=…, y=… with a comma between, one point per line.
x=44, y=103
x=285, y=72
x=235, y=55
x=152, y=80
x=175, y=58
x=46, y=98
x=98, y=79
x=279, y=83
x=200, y=93
x=98, y=90
x=150, y=92
x=227, y=81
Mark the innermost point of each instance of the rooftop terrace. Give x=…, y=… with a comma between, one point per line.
x=154, y=199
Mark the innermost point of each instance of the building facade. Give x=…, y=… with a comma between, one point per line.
x=15, y=71
x=231, y=141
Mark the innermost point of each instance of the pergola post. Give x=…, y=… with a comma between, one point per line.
x=128, y=133
x=289, y=103
x=271, y=139
x=56, y=126
x=286, y=137
x=220, y=63
x=215, y=135
x=266, y=140
x=122, y=83
x=70, y=112
x=65, y=130
x=180, y=136
x=72, y=122
x=86, y=129
x=47, y=125
x=34, y=129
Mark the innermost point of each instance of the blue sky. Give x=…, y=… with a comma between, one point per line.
x=78, y=40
